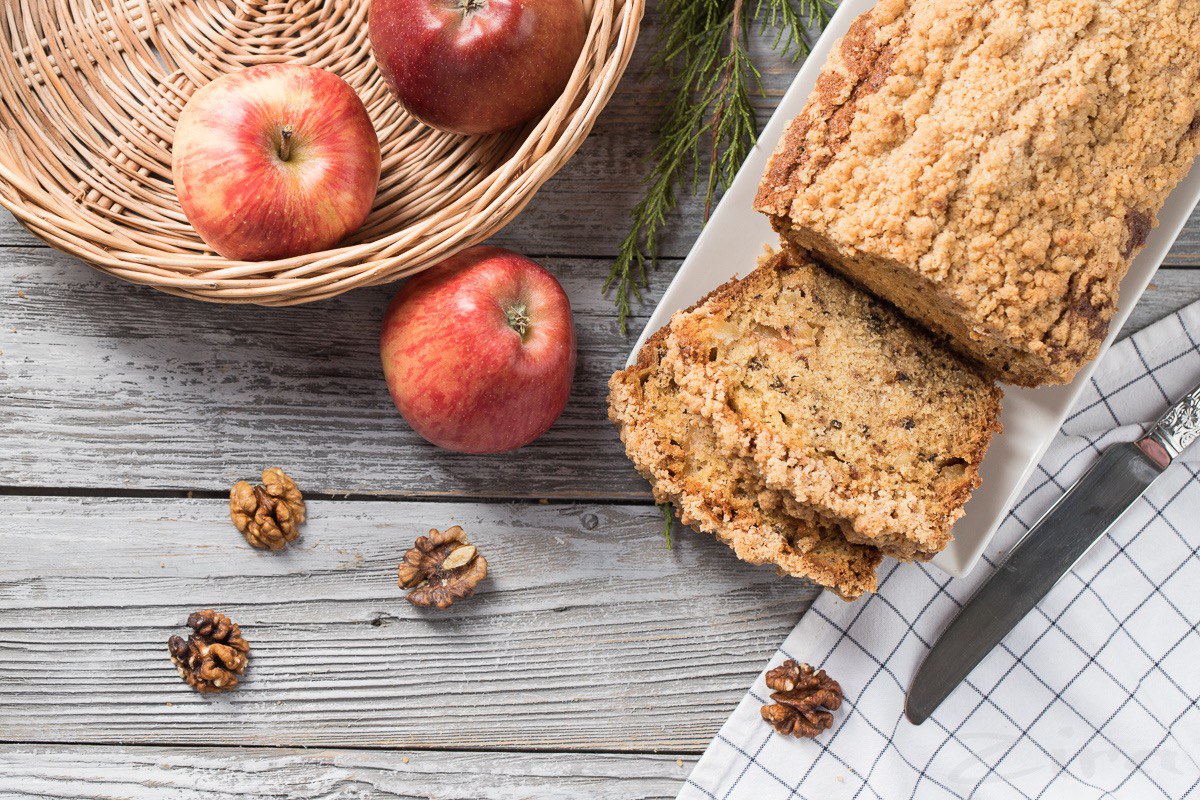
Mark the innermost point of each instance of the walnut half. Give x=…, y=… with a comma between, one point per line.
x=269, y=515
x=441, y=568
x=804, y=699
x=214, y=656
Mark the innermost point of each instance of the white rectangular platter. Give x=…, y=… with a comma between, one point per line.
x=734, y=238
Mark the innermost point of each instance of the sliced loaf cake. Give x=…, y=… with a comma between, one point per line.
x=838, y=400
x=677, y=451
x=992, y=168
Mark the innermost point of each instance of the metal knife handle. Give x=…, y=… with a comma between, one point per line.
x=1177, y=428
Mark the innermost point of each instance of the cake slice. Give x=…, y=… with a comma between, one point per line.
x=992, y=168
x=838, y=400
x=678, y=453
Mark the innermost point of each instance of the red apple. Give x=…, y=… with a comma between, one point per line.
x=476, y=66
x=274, y=161
x=479, y=351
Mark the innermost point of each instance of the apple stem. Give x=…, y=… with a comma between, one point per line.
x=285, y=143
x=518, y=319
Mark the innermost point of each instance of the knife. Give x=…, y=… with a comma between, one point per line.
x=1048, y=551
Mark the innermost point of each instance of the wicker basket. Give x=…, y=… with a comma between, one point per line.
x=90, y=91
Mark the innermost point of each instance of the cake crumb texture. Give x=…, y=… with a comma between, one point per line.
x=840, y=402
x=679, y=454
x=992, y=167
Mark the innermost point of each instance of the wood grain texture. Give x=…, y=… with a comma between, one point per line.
x=588, y=634
x=208, y=773
x=109, y=385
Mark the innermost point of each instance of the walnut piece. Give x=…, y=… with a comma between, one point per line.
x=269, y=515
x=213, y=657
x=803, y=699
x=441, y=568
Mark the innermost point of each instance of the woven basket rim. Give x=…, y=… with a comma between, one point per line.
x=33, y=190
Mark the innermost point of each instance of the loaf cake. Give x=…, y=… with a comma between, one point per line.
x=838, y=400
x=991, y=168
x=679, y=455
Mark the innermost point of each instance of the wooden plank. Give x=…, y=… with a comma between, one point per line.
x=207, y=773
x=583, y=211
x=1171, y=290
x=113, y=385
x=110, y=385
x=588, y=634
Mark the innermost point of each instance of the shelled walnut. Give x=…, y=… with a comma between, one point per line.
x=441, y=568
x=804, y=699
x=214, y=656
x=268, y=515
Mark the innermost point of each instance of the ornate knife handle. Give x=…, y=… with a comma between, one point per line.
x=1177, y=428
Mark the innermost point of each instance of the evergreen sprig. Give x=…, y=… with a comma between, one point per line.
x=668, y=515
x=704, y=51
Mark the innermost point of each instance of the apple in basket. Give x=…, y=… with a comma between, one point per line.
x=479, y=351
x=274, y=161
x=476, y=66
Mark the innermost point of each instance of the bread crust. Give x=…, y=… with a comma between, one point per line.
x=993, y=168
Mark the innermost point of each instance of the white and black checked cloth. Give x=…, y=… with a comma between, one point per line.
x=1093, y=695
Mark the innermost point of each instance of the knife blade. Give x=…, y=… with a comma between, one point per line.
x=1070, y=528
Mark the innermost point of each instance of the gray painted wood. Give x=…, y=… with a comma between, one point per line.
x=211, y=773
x=588, y=634
x=109, y=385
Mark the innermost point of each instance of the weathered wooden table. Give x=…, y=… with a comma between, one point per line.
x=595, y=664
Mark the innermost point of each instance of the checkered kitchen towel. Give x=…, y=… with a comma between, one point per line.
x=1093, y=695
